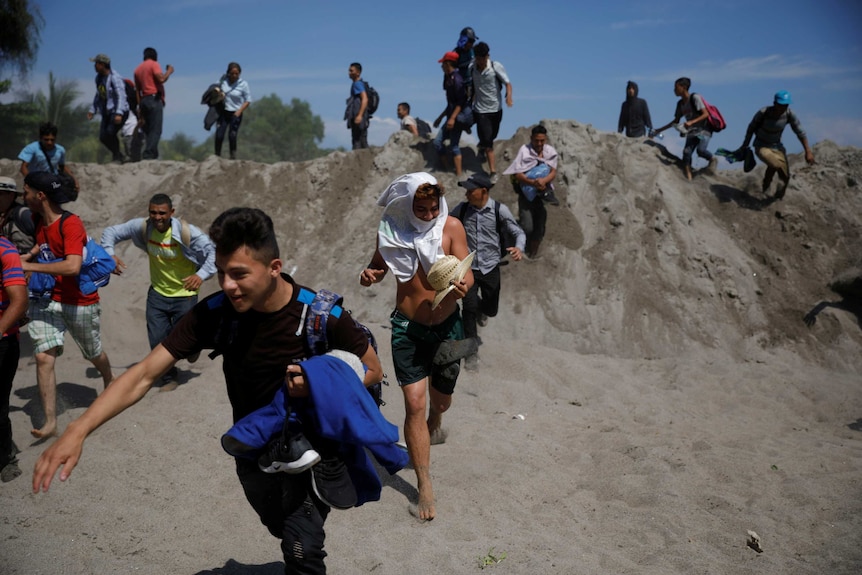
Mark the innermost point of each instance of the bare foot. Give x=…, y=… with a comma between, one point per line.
x=169, y=386
x=688, y=173
x=438, y=436
x=49, y=429
x=424, y=510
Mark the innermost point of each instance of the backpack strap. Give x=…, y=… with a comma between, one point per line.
x=323, y=304
x=185, y=231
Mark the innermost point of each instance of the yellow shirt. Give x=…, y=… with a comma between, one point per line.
x=168, y=265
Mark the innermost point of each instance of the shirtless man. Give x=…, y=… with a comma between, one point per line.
x=415, y=231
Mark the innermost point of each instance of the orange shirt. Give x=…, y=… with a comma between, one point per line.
x=145, y=78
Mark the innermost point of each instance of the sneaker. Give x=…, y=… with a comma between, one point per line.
x=193, y=357
x=452, y=350
x=550, y=198
x=10, y=471
x=780, y=191
x=482, y=320
x=293, y=454
x=494, y=177
x=332, y=484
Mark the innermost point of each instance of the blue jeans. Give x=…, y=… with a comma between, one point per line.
x=152, y=111
x=699, y=142
x=163, y=313
x=454, y=136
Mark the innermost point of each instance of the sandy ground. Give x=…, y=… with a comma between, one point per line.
x=647, y=395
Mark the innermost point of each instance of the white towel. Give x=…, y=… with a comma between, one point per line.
x=404, y=240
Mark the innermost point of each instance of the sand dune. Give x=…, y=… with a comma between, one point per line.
x=672, y=397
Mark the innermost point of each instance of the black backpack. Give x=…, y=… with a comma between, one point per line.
x=131, y=95
x=373, y=99
x=423, y=127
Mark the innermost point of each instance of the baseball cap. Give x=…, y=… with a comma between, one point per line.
x=8, y=185
x=782, y=97
x=59, y=188
x=101, y=59
x=449, y=57
x=469, y=33
x=478, y=180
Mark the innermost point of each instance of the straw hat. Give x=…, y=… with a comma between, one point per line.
x=445, y=272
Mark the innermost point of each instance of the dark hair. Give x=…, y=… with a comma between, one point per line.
x=234, y=65
x=540, y=129
x=151, y=54
x=684, y=82
x=358, y=66
x=429, y=190
x=405, y=105
x=161, y=200
x=47, y=129
x=245, y=227
x=481, y=49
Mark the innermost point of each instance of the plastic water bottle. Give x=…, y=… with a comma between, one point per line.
x=660, y=136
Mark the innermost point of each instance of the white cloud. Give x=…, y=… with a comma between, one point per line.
x=842, y=131
x=774, y=66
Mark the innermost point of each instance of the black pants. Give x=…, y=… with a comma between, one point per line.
x=109, y=134
x=532, y=217
x=10, y=351
x=286, y=507
x=487, y=303
x=227, y=122
x=359, y=135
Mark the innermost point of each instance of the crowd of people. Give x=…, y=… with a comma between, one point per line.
x=297, y=444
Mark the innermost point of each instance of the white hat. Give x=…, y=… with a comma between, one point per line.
x=8, y=185
x=351, y=360
x=445, y=273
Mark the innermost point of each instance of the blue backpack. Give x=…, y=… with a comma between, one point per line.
x=321, y=305
x=96, y=268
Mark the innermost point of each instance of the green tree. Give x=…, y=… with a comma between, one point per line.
x=19, y=121
x=59, y=108
x=278, y=132
x=21, y=24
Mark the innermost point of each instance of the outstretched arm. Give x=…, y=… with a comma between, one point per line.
x=123, y=392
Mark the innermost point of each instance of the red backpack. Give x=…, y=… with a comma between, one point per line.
x=715, y=119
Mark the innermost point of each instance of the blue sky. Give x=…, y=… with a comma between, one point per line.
x=565, y=59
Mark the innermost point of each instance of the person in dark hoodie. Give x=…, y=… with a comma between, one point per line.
x=634, y=114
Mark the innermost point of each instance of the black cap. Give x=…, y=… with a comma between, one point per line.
x=478, y=180
x=59, y=188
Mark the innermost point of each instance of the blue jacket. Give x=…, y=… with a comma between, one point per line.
x=200, y=251
x=339, y=408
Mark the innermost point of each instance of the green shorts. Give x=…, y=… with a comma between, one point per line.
x=414, y=346
x=50, y=319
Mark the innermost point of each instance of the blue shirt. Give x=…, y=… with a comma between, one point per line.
x=480, y=226
x=36, y=160
x=235, y=95
x=110, y=95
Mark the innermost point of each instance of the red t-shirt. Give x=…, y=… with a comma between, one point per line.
x=145, y=78
x=70, y=242
x=11, y=274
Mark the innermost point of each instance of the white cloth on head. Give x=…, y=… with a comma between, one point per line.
x=405, y=241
